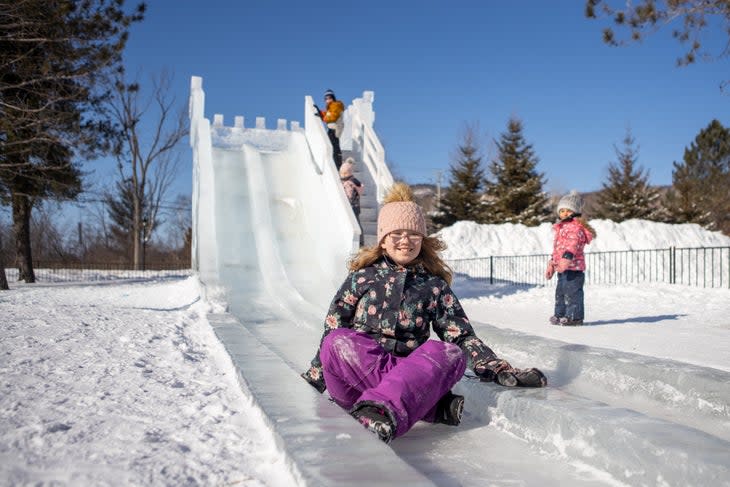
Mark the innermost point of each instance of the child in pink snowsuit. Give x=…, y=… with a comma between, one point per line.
x=353, y=190
x=572, y=234
x=376, y=358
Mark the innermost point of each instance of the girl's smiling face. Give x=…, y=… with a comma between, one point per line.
x=564, y=213
x=402, y=246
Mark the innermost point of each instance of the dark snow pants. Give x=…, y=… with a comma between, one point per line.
x=358, y=370
x=569, y=295
x=336, y=150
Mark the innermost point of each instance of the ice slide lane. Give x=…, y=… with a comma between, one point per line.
x=607, y=418
x=261, y=263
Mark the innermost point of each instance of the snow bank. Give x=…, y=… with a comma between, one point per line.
x=468, y=239
x=124, y=384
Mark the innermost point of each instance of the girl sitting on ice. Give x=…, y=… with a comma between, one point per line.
x=375, y=357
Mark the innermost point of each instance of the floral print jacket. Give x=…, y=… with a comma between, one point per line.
x=397, y=306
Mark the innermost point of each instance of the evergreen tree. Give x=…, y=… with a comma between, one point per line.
x=627, y=193
x=462, y=200
x=699, y=191
x=55, y=57
x=515, y=194
x=120, y=209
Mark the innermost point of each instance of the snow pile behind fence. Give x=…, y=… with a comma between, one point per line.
x=633, y=251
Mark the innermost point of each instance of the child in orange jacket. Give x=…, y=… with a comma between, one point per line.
x=332, y=116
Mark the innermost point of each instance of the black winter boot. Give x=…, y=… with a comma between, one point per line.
x=375, y=420
x=521, y=378
x=449, y=409
x=565, y=321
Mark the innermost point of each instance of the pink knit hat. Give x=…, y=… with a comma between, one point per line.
x=400, y=212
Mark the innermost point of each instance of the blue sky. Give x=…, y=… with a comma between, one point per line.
x=436, y=66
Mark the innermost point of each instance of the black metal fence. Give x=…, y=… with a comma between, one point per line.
x=699, y=266
x=100, y=271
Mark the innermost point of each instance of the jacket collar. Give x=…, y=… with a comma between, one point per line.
x=390, y=264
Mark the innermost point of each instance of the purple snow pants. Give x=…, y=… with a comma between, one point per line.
x=357, y=369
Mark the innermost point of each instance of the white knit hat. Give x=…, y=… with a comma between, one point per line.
x=571, y=201
x=400, y=212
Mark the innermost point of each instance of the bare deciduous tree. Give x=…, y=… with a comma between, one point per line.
x=691, y=18
x=147, y=165
x=55, y=62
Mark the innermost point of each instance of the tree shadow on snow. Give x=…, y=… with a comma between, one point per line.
x=636, y=319
x=101, y=281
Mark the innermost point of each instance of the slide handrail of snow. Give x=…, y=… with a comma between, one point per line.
x=203, y=254
x=361, y=137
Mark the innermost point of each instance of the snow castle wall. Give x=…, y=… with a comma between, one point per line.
x=268, y=204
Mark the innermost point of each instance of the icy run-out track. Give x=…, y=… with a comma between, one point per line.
x=271, y=236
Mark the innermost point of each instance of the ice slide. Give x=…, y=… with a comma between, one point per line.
x=271, y=234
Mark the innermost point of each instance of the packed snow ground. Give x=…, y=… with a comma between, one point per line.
x=126, y=383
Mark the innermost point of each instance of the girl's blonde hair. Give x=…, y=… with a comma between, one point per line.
x=587, y=225
x=428, y=257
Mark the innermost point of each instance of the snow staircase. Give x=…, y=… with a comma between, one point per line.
x=360, y=142
x=368, y=200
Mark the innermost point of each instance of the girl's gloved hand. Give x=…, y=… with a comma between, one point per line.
x=499, y=365
x=489, y=372
x=550, y=270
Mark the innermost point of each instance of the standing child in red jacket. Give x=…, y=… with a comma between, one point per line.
x=572, y=233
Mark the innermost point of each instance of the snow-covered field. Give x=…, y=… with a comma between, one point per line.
x=667, y=321
x=126, y=384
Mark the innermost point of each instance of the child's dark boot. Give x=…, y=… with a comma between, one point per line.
x=449, y=409
x=375, y=420
x=565, y=321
